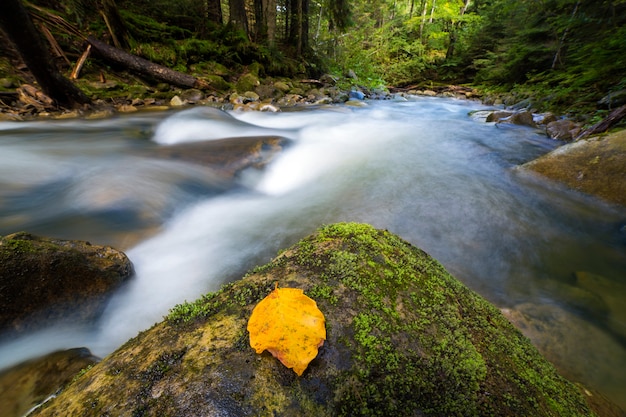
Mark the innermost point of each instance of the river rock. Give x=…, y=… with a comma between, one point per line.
x=24, y=386
x=522, y=118
x=176, y=101
x=595, y=165
x=192, y=95
x=230, y=156
x=247, y=82
x=612, y=293
x=282, y=87
x=44, y=279
x=498, y=115
x=404, y=338
x=563, y=129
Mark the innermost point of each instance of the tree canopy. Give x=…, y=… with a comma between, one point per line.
x=573, y=48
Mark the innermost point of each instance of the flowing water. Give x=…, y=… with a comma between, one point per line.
x=422, y=169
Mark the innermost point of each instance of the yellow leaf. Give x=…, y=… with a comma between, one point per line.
x=289, y=325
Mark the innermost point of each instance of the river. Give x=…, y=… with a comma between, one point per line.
x=423, y=169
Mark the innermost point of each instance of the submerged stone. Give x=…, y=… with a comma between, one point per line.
x=25, y=386
x=404, y=338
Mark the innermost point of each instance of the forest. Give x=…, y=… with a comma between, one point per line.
x=562, y=55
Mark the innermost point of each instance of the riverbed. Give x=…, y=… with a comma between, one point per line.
x=423, y=169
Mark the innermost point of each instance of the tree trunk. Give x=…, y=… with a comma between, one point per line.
x=423, y=22
x=17, y=25
x=557, y=54
x=115, y=23
x=432, y=12
x=143, y=66
x=269, y=12
x=238, y=16
x=214, y=11
x=299, y=26
x=455, y=28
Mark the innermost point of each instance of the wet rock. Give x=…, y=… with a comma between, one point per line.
x=403, y=338
x=356, y=95
x=545, y=118
x=230, y=156
x=25, y=386
x=522, y=118
x=192, y=95
x=612, y=293
x=44, y=280
x=127, y=108
x=559, y=334
x=176, y=101
x=251, y=96
x=596, y=166
x=563, y=129
x=497, y=116
x=289, y=100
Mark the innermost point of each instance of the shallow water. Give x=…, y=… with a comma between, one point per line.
x=422, y=169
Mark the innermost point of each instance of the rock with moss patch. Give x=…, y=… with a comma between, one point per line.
x=24, y=386
x=44, y=279
x=404, y=338
x=247, y=82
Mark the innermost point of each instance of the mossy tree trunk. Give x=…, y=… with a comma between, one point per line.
x=19, y=28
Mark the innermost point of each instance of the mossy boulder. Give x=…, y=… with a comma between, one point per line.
x=44, y=279
x=247, y=82
x=595, y=166
x=404, y=338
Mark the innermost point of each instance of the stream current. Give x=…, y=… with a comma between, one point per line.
x=423, y=169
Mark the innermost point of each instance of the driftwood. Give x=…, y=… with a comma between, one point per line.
x=143, y=66
x=613, y=118
x=79, y=64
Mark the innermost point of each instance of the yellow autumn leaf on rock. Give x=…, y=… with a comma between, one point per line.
x=289, y=325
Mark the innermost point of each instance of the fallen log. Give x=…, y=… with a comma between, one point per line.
x=613, y=118
x=144, y=67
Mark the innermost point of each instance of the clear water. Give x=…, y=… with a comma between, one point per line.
x=422, y=169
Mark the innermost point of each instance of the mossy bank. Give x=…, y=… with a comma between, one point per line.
x=403, y=338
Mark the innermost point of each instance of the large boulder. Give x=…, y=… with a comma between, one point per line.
x=44, y=279
x=596, y=166
x=228, y=157
x=404, y=338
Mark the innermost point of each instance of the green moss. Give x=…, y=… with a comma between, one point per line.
x=323, y=291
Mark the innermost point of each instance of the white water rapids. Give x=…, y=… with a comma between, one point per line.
x=422, y=169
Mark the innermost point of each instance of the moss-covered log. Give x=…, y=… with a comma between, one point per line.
x=142, y=66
